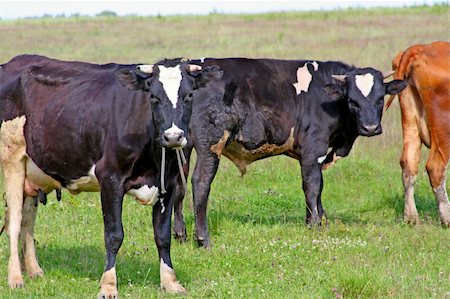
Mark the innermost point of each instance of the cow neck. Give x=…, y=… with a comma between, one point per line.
x=348, y=124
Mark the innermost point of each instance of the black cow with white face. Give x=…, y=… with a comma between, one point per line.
x=311, y=111
x=74, y=125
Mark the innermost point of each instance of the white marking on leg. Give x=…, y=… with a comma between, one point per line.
x=170, y=78
x=410, y=211
x=108, y=284
x=321, y=159
x=169, y=281
x=364, y=83
x=12, y=155
x=145, y=195
x=444, y=205
x=163, y=208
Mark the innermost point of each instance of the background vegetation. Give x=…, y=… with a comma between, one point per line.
x=261, y=247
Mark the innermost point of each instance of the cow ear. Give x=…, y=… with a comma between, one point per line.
x=335, y=91
x=131, y=79
x=207, y=75
x=394, y=87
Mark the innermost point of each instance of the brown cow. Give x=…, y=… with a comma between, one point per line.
x=425, y=109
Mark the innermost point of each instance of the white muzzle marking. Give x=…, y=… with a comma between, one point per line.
x=173, y=131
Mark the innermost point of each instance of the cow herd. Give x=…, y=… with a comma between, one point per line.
x=130, y=129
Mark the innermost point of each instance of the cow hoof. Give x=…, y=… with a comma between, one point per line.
x=445, y=221
x=444, y=212
x=412, y=220
x=203, y=242
x=103, y=295
x=174, y=287
x=36, y=274
x=181, y=237
x=314, y=222
x=16, y=283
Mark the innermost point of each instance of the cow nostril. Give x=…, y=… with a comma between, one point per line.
x=166, y=139
x=371, y=128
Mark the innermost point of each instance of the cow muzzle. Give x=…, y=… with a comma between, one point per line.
x=173, y=138
x=370, y=130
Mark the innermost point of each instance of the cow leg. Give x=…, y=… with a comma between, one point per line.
x=436, y=168
x=204, y=173
x=12, y=160
x=410, y=158
x=179, y=227
x=27, y=238
x=162, y=214
x=320, y=208
x=112, y=199
x=14, y=182
x=312, y=182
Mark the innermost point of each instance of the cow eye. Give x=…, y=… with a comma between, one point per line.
x=154, y=100
x=353, y=104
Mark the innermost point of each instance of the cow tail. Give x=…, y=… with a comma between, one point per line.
x=6, y=219
x=388, y=102
x=400, y=65
x=395, y=64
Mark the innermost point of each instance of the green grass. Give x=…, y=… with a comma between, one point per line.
x=261, y=247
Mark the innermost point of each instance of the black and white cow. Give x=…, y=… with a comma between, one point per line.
x=311, y=111
x=74, y=125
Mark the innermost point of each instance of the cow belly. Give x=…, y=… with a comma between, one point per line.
x=37, y=179
x=88, y=183
x=242, y=157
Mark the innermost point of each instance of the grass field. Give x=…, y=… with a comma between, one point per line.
x=261, y=247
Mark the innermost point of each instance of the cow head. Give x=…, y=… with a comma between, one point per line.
x=170, y=85
x=364, y=91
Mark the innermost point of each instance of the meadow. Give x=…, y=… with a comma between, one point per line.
x=261, y=246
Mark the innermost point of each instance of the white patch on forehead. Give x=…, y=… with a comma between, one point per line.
x=170, y=78
x=145, y=195
x=304, y=77
x=364, y=83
